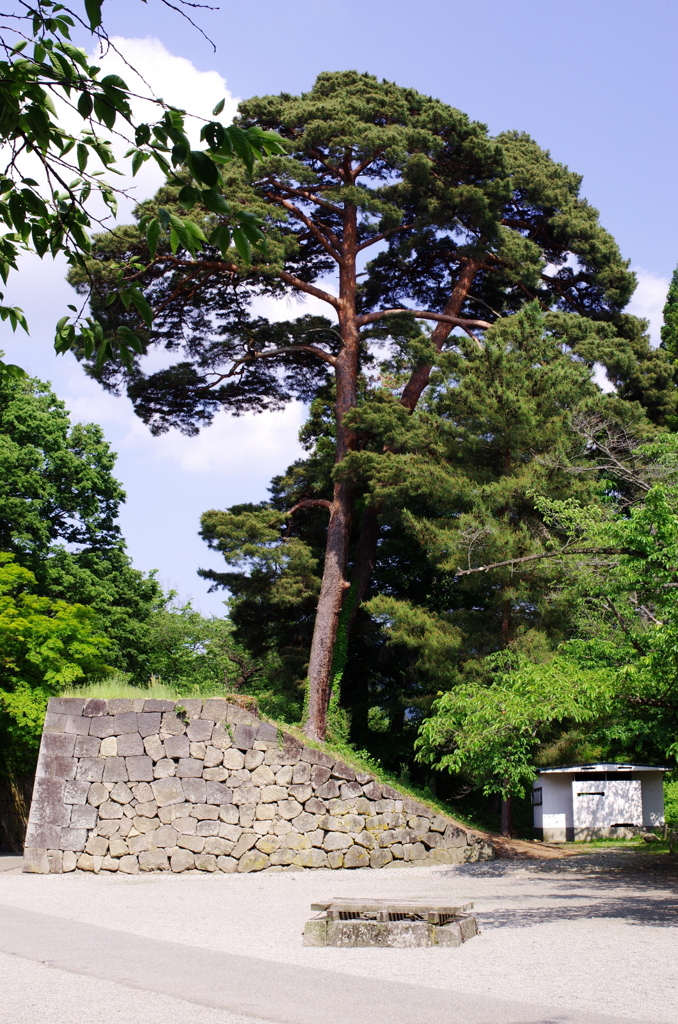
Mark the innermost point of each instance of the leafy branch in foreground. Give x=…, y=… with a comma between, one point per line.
x=50, y=172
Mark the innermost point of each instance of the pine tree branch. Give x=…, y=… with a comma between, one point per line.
x=545, y=554
x=313, y=228
x=310, y=289
x=384, y=234
x=423, y=314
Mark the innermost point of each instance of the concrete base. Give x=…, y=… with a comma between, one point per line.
x=585, y=835
x=403, y=934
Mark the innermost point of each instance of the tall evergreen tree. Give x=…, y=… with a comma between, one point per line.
x=474, y=228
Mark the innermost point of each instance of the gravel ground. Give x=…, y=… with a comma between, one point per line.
x=592, y=933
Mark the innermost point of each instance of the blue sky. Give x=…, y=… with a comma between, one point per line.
x=595, y=82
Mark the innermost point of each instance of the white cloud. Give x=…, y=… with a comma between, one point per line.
x=648, y=300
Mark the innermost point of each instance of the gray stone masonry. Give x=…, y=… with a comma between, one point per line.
x=136, y=785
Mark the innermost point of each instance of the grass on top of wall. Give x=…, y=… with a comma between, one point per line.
x=117, y=685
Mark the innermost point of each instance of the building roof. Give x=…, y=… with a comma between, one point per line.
x=604, y=766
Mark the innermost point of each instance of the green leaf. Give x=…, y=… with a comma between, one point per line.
x=215, y=202
x=143, y=308
x=83, y=154
x=188, y=196
x=221, y=238
x=93, y=9
x=153, y=236
x=202, y=168
x=242, y=244
x=219, y=107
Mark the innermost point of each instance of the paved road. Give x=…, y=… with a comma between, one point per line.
x=226, y=950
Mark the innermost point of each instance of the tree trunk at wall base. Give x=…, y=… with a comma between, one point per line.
x=507, y=816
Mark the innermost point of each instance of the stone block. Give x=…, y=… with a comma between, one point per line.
x=115, y=770
x=253, y=860
x=236, y=715
x=268, y=844
x=219, y=774
x=110, y=809
x=57, y=744
x=439, y=824
x=343, y=771
x=140, y=769
x=233, y=759
x=314, y=858
x=110, y=864
x=48, y=807
x=197, y=750
x=83, y=816
x=351, y=790
x=317, y=838
x=313, y=756
x=295, y=841
x=229, y=814
x=56, y=766
x=95, y=707
x=301, y=774
x=283, y=776
x=383, y=806
x=301, y=792
x=66, y=705
x=329, y=823
x=213, y=757
x=153, y=860
x=351, y=823
x=69, y=861
x=129, y=865
x=335, y=859
x=172, y=725
x=87, y=746
x=356, y=857
x=142, y=792
x=319, y=776
x=90, y=769
x=35, y=861
x=109, y=747
x=263, y=776
x=417, y=851
x=121, y=793
x=217, y=846
x=77, y=724
x=245, y=843
x=148, y=809
x=290, y=753
x=192, y=706
x=230, y=831
x=54, y=723
x=185, y=825
x=86, y=862
x=148, y=723
x=200, y=730
x=221, y=737
x=182, y=860
x=284, y=857
x=118, y=848
x=246, y=796
x=165, y=836
x=177, y=746
x=124, y=723
x=240, y=777
x=206, y=862
x=372, y=791
x=218, y=793
x=455, y=836
x=110, y=828
x=55, y=859
x=97, y=794
x=227, y=864
x=76, y=792
x=329, y=790
x=337, y=841
x=168, y=791
x=315, y=806
x=131, y=745
x=398, y=851
x=165, y=768
x=365, y=839
x=138, y=844
x=379, y=858
x=305, y=822
x=156, y=706
x=207, y=828
x=97, y=846
x=102, y=727
x=196, y=844
x=154, y=747
x=243, y=737
x=145, y=825
x=204, y=812
x=39, y=837
x=267, y=733
x=337, y=807
x=120, y=706
x=72, y=839
x=289, y=809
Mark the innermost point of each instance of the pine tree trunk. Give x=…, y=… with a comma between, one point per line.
x=334, y=584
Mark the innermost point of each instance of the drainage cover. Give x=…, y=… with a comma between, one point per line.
x=346, y=922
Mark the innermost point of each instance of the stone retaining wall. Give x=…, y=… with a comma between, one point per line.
x=154, y=785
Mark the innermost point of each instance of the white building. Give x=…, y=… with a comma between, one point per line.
x=589, y=801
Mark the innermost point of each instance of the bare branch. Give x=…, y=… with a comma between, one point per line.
x=310, y=289
x=545, y=554
x=423, y=314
